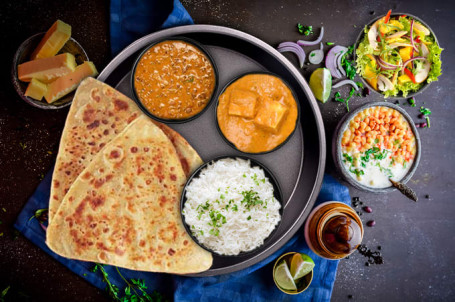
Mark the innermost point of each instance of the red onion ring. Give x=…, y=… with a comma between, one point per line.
x=412, y=59
x=412, y=36
x=294, y=48
x=331, y=60
x=345, y=82
x=386, y=65
x=311, y=43
x=338, y=58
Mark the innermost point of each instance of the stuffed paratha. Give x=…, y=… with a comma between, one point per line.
x=98, y=113
x=123, y=209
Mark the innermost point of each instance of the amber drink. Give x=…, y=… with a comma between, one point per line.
x=333, y=230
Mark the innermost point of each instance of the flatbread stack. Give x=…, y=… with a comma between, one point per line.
x=116, y=187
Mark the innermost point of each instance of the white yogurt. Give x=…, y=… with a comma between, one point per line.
x=376, y=173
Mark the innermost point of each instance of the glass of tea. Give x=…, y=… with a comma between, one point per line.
x=333, y=230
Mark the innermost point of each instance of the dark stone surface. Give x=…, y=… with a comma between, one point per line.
x=416, y=239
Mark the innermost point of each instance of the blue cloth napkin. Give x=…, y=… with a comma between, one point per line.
x=129, y=21
x=133, y=19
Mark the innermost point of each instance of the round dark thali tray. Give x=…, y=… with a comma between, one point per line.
x=298, y=165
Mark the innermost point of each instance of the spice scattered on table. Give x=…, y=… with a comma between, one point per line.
x=374, y=257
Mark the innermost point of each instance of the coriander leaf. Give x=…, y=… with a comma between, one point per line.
x=348, y=157
x=4, y=292
x=425, y=111
x=338, y=98
x=304, y=30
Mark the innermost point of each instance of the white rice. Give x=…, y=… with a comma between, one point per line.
x=218, y=190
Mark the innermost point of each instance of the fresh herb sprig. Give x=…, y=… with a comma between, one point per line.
x=426, y=113
x=135, y=290
x=338, y=98
x=305, y=30
x=40, y=215
x=218, y=220
x=3, y=294
x=347, y=64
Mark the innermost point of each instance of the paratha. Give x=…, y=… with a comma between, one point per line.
x=123, y=209
x=98, y=113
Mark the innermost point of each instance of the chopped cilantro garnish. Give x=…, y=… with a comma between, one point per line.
x=387, y=171
x=217, y=220
x=305, y=30
x=330, y=43
x=357, y=172
x=312, y=54
x=249, y=218
x=251, y=198
x=338, y=98
x=425, y=111
x=412, y=102
x=348, y=157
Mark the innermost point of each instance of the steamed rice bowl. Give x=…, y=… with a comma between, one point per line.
x=230, y=207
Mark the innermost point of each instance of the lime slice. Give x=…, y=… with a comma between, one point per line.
x=283, y=277
x=321, y=84
x=301, y=265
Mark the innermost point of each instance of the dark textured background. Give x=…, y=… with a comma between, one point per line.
x=417, y=239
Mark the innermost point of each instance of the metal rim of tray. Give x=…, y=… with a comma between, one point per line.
x=312, y=104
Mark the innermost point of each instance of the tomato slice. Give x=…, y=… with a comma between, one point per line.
x=403, y=16
x=410, y=75
x=387, y=17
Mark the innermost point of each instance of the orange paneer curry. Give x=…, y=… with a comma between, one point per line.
x=257, y=113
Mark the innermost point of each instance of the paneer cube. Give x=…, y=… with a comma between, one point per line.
x=243, y=103
x=270, y=114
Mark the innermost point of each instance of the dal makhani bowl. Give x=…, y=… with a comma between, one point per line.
x=174, y=80
x=257, y=113
x=375, y=143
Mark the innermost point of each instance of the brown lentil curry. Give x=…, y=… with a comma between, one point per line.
x=174, y=80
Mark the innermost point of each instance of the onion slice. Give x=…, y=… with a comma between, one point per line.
x=339, y=57
x=386, y=65
x=316, y=56
x=412, y=59
x=311, y=43
x=331, y=60
x=412, y=36
x=346, y=82
x=294, y=48
x=398, y=34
